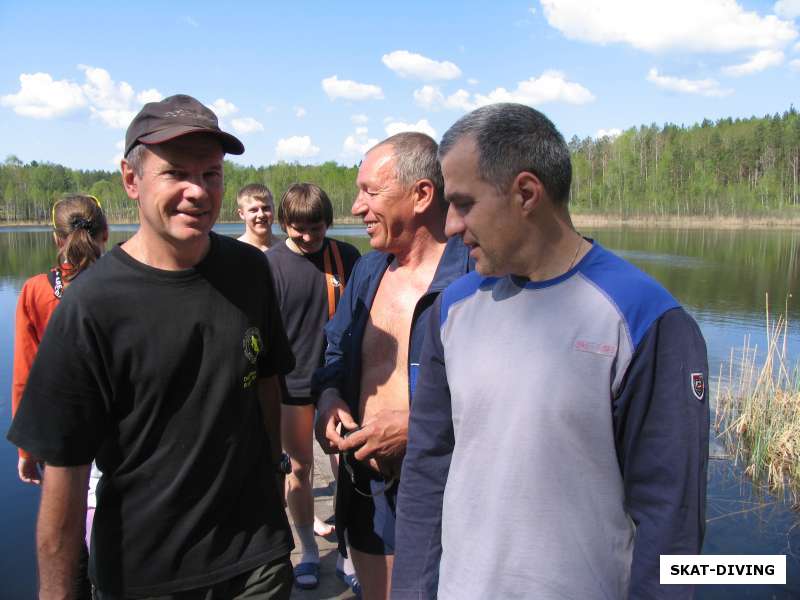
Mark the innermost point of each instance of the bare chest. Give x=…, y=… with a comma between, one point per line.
x=384, y=349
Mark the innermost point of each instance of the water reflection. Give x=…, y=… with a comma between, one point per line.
x=721, y=277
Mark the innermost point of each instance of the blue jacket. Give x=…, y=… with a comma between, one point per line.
x=345, y=333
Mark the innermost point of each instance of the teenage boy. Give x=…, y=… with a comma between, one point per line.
x=256, y=209
x=163, y=363
x=310, y=272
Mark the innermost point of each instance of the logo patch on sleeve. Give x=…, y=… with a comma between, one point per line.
x=698, y=385
x=252, y=344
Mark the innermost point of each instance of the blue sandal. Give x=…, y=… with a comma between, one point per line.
x=350, y=581
x=306, y=569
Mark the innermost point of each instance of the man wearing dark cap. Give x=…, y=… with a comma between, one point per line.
x=163, y=364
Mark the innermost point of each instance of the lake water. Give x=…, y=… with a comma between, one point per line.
x=720, y=276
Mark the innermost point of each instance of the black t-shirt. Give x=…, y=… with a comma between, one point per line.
x=154, y=374
x=303, y=298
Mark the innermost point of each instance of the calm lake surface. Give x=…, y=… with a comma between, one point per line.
x=720, y=276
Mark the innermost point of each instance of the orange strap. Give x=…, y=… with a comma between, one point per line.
x=334, y=281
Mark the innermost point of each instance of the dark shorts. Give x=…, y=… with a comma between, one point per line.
x=366, y=509
x=272, y=581
x=297, y=400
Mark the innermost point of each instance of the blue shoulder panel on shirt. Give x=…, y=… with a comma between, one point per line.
x=640, y=299
x=462, y=288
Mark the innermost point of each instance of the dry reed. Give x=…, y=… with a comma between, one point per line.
x=758, y=412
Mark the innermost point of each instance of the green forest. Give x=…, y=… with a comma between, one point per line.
x=727, y=168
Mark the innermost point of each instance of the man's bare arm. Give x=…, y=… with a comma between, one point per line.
x=60, y=529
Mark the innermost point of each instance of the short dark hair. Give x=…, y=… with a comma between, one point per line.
x=416, y=158
x=512, y=138
x=305, y=203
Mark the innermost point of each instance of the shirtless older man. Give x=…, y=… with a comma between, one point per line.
x=374, y=342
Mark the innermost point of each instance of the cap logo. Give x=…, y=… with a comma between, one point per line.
x=179, y=113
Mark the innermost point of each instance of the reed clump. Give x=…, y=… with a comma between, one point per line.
x=758, y=412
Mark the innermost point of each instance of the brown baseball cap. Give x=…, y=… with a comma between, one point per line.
x=173, y=117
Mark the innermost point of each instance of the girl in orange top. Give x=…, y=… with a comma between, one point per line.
x=80, y=232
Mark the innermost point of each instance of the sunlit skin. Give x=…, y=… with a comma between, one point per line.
x=517, y=231
x=258, y=216
x=179, y=194
x=306, y=238
x=379, y=203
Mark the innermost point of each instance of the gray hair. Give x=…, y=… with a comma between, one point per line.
x=512, y=138
x=415, y=159
x=135, y=158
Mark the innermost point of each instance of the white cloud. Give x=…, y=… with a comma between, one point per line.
x=151, y=95
x=758, y=62
x=103, y=92
x=422, y=126
x=359, y=119
x=111, y=102
x=350, y=90
x=681, y=25
x=189, y=21
x=296, y=147
x=40, y=97
x=788, y=9
x=473, y=81
x=796, y=47
x=551, y=86
x=795, y=64
x=416, y=66
x=609, y=133
x=299, y=112
x=357, y=143
x=115, y=118
x=702, y=87
x=115, y=104
x=246, y=125
x=222, y=108
x=432, y=98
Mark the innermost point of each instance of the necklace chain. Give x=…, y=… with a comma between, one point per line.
x=575, y=256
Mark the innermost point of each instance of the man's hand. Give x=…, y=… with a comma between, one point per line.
x=382, y=441
x=332, y=410
x=30, y=470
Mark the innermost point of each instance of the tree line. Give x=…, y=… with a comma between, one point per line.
x=731, y=167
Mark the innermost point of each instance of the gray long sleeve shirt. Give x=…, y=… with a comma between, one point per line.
x=558, y=440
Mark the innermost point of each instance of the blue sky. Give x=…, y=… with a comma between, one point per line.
x=317, y=81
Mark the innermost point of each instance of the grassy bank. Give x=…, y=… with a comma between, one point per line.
x=584, y=221
x=758, y=413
